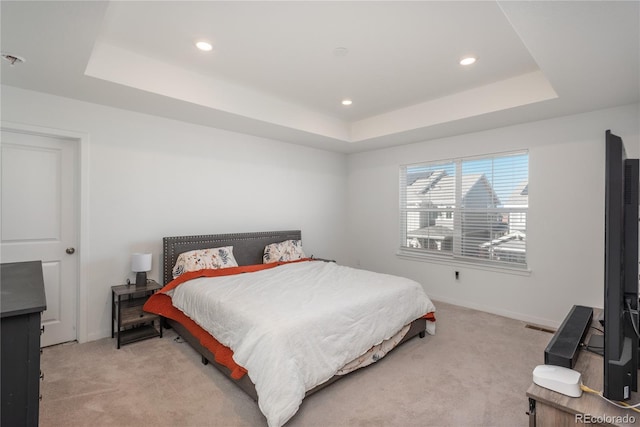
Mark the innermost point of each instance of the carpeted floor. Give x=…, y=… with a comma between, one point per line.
x=473, y=372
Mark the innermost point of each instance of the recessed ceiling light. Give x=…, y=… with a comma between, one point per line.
x=468, y=60
x=12, y=59
x=347, y=102
x=204, y=46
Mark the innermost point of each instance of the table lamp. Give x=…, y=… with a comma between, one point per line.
x=140, y=264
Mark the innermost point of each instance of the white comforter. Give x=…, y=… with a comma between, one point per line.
x=294, y=326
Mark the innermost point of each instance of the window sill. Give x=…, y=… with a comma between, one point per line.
x=421, y=256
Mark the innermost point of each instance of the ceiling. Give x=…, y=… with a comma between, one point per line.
x=281, y=69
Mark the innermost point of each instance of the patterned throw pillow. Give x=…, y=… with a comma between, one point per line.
x=200, y=259
x=289, y=250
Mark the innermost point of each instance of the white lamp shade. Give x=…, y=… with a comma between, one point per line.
x=140, y=262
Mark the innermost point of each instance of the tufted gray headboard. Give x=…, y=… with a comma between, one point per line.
x=248, y=248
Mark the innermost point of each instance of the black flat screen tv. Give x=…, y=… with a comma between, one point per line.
x=620, y=271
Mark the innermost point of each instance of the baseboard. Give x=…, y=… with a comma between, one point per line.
x=500, y=312
x=94, y=336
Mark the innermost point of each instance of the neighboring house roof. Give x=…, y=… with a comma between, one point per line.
x=438, y=188
x=419, y=185
x=435, y=232
x=513, y=242
x=519, y=197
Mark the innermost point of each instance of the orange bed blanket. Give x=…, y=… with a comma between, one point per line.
x=160, y=303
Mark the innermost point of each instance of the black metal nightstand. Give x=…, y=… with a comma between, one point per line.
x=129, y=323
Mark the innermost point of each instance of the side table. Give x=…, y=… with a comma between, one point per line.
x=129, y=323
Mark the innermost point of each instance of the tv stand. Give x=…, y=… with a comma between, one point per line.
x=548, y=408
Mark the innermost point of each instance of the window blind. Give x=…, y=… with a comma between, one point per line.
x=469, y=208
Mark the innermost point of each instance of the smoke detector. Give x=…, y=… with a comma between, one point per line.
x=12, y=59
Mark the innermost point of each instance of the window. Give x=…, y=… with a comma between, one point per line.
x=472, y=209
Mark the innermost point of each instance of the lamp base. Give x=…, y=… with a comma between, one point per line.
x=141, y=278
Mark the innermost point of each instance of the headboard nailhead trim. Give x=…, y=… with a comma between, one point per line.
x=254, y=244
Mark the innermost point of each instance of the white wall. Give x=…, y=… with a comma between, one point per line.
x=566, y=215
x=149, y=177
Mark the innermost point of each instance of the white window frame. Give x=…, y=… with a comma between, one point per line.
x=455, y=256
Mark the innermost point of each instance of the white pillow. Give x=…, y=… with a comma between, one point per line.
x=212, y=258
x=289, y=250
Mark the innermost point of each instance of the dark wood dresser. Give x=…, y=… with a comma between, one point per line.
x=22, y=301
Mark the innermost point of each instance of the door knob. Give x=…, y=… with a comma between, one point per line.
x=70, y=250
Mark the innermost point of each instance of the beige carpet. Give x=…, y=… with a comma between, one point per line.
x=474, y=371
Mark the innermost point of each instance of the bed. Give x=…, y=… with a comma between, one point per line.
x=213, y=341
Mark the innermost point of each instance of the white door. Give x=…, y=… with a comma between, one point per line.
x=40, y=221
